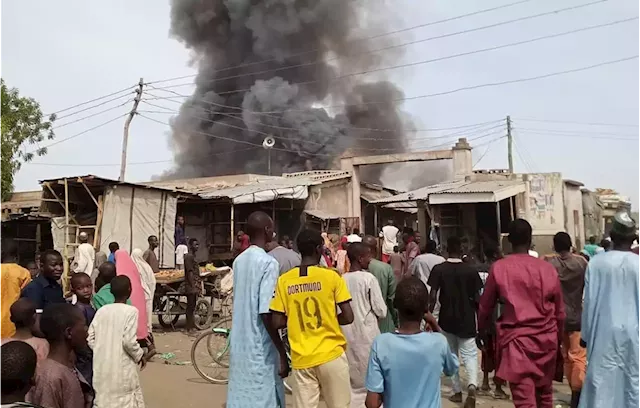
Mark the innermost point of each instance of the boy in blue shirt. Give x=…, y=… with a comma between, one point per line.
x=405, y=367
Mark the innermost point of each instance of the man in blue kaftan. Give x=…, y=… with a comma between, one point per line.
x=254, y=379
x=610, y=322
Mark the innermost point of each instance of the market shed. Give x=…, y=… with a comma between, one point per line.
x=109, y=211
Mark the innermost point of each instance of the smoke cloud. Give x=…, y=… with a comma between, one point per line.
x=267, y=67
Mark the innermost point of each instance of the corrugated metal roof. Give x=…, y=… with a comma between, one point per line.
x=419, y=194
x=319, y=175
x=480, y=187
x=373, y=192
x=323, y=215
x=452, y=187
x=96, y=181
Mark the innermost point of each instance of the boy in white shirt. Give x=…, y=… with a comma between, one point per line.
x=181, y=251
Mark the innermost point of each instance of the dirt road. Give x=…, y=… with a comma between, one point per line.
x=168, y=384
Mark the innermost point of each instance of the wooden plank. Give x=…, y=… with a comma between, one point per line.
x=88, y=192
x=62, y=203
x=96, y=235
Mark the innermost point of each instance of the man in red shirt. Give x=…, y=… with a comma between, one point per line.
x=530, y=328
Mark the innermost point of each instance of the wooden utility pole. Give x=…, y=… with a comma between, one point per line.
x=125, y=137
x=509, y=145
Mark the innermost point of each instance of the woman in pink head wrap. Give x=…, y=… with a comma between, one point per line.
x=125, y=266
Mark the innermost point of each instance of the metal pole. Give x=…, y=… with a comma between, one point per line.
x=269, y=162
x=233, y=234
x=498, y=224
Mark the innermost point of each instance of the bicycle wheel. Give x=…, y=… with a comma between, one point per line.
x=210, y=356
x=168, y=321
x=203, y=314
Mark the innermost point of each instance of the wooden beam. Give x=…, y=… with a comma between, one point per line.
x=88, y=192
x=96, y=235
x=62, y=203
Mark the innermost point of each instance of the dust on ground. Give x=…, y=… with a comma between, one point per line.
x=173, y=382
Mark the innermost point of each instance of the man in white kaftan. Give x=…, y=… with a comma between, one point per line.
x=85, y=255
x=116, y=354
x=368, y=306
x=254, y=361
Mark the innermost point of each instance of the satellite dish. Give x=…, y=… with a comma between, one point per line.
x=268, y=142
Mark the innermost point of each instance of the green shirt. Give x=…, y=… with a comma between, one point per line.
x=104, y=297
x=384, y=275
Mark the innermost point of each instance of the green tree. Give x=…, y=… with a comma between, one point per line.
x=23, y=124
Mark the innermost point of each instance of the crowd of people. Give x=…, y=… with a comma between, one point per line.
x=362, y=331
x=88, y=342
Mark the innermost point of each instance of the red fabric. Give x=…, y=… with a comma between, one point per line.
x=489, y=362
x=343, y=242
x=125, y=266
x=525, y=394
x=244, y=242
x=386, y=258
x=532, y=317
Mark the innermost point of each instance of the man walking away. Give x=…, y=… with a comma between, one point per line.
x=113, y=247
x=387, y=283
x=489, y=341
x=571, y=271
x=354, y=236
x=85, y=255
x=591, y=248
x=287, y=258
x=405, y=367
x=531, y=323
x=14, y=279
x=459, y=285
x=389, y=237
x=368, y=309
x=411, y=249
x=610, y=322
x=396, y=260
x=193, y=285
x=150, y=256
x=423, y=265
x=306, y=302
x=116, y=353
x=258, y=357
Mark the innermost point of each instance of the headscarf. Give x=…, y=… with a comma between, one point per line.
x=126, y=267
x=101, y=258
x=146, y=273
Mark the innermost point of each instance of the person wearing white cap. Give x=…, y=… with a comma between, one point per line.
x=85, y=255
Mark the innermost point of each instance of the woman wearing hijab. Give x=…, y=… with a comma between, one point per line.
x=148, y=281
x=126, y=267
x=101, y=258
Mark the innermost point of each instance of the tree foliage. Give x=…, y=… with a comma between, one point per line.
x=23, y=125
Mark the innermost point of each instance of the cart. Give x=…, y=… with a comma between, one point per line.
x=169, y=305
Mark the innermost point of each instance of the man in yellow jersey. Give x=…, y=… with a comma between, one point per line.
x=305, y=302
x=14, y=279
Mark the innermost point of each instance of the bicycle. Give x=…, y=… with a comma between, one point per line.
x=212, y=364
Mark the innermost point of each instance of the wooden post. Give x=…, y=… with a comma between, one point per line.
x=66, y=266
x=509, y=145
x=233, y=234
x=96, y=235
x=375, y=221
x=499, y=224
x=125, y=137
x=422, y=221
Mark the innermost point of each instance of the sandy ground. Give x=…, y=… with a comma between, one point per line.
x=169, y=384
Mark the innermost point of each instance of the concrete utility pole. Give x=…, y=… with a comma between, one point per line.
x=125, y=137
x=509, y=145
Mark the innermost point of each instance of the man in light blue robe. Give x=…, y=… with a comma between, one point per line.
x=256, y=357
x=610, y=322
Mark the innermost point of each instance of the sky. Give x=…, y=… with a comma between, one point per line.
x=67, y=52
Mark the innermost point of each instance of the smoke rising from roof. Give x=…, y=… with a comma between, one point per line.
x=285, y=57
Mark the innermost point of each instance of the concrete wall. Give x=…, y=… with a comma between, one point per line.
x=574, y=215
x=592, y=212
x=546, y=203
x=331, y=197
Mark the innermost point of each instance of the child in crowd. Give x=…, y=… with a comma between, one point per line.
x=58, y=384
x=18, y=371
x=400, y=373
x=116, y=352
x=23, y=315
x=396, y=261
x=82, y=287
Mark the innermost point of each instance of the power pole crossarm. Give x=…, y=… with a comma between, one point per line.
x=509, y=145
x=125, y=137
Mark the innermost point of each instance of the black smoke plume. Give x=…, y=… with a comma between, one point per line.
x=288, y=59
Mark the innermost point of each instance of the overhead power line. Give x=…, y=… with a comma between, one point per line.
x=92, y=115
x=586, y=136
x=324, y=61
x=92, y=107
x=314, y=50
x=579, y=132
x=577, y=123
x=90, y=101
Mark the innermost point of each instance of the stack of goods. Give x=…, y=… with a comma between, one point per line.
x=169, y=275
